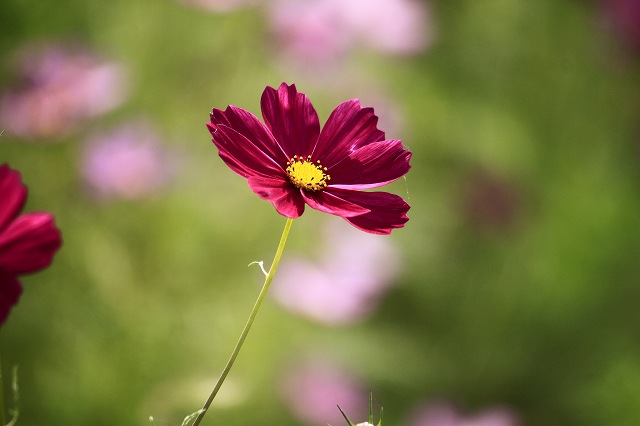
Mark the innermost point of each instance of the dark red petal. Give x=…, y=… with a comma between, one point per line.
x=29, y=243
x=13, y=195
x=373, y=165
x=284, y=196
x=387, y=211
x=348, y=128
x=241, y=155
x=248, y=125
x=291, y=118
x=331, y=203
x=10, y=291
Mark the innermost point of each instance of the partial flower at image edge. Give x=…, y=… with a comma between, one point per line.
x=28, y=241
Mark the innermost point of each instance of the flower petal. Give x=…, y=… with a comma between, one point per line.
x=12, y=193
x=284, y=196
x=348, y=128
x=29, y=243
x=10, y=291
x=386, y=211
x=249, y=126
x=291, y=118
x=372, y=165
x=329, y=202
x=241, y=154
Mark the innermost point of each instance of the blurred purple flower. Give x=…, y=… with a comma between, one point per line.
x=445, y=414
x=59, y=88
x=624, y=18
x=127, y=162
x=491, y=203
x=313, y=390
x=320, y=31
x=346, y=285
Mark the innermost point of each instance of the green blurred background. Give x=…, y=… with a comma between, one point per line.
x=520, y=278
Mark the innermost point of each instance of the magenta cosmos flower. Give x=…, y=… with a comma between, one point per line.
x=27, y=242
x=290, y=162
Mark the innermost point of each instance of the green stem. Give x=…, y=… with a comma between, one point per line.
x=252, y=316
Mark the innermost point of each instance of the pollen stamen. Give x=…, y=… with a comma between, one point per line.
x=305, y=174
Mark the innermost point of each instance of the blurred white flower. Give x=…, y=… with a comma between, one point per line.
x=445, y=414
x=314, y=389
x=320, y=31
x=127, y=162
x=346, y=284
x=60, y=86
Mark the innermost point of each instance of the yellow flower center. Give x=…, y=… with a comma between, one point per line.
x=305, y=174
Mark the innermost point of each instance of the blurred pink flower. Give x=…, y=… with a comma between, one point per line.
x=309, y=30
x=345, y=285
x=219, y=6
x=60, y=87
x=401, y=27
x=127, y=162
x=319, y=31
x=624, y=18
x=444, y=414
x=314, y=389
x=28, y=241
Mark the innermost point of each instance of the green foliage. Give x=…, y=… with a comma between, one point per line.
x=143, y=304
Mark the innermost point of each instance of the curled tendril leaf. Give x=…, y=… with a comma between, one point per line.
x=261, y=264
